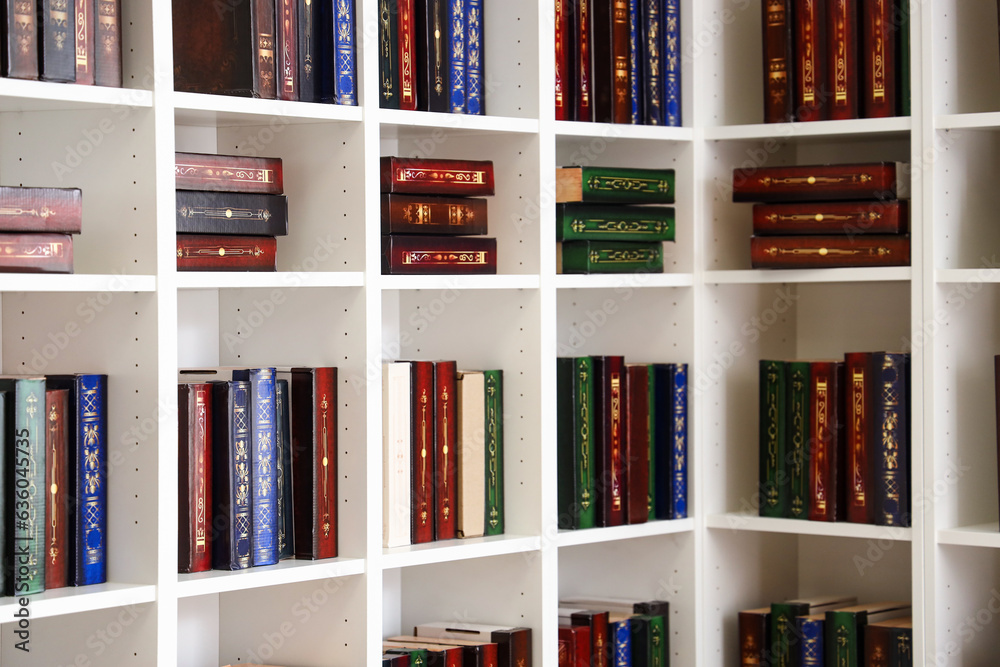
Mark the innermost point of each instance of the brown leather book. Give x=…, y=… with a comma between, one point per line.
x=418, y=214
x=228, y=173
x=578, y=639
x=445, y=450
x=842, y=59
x=419, y=176
x=53, y=210
x=583, y=48
x=878, y=66
x=779, y=69
x=435, y=255
x=755, y=637
x=57, y=50
x=621, y=83
x=194, y=467
x=84, y=39
x=286, y=27
x=207, y=252
x=825, y=441
x=20, y=35
x=57, y=478
x=851, y=218
x=422, y=456
x=610, y=405
x=829, y=182
x=407, y=22
x=265, y=64
x=811, y=88
x=565, y=76
x=637, y=442
x=108, y=45
x=36, y=253
x=859, y=389
x=819, y=252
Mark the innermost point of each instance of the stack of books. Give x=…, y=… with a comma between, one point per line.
x=443, y=458
x=229, y=211
x=824, y=216
x=618, y=61
x=459, y=643
x=834, y=439
x=257, y=466
x=431, y=56
x=622, y=441
x=433, y=217
x=835, y=59
x=613, y=631
x=603, y=224
x=36, y=226
x=272, y=49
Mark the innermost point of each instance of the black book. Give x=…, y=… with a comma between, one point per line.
x=388, y=54
x=230, y=476
x=282, y=399
x=308, y=55
x=56, y=40
x=241, y=213
x=433, y=63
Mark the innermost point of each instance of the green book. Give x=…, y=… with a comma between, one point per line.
x=584, y=470
x=614, y=222
x=650, y=644
x=784, y=637
x=494, y=452
x=611, y=257
x=615, y=185
x=388, y=55
x=772, y=436
x=797, y=459
x=843, y=641
x=418, y=656
x=651, y=497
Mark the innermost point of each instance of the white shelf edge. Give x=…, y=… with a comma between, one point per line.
x=750, y=522
x=624, y=280
x=503, y=281
x=76, y=282
x=76, y=599
x=839, y=275
x=389, y=118
x=971, y=121
x=189, y=280
x=817, y=129
x=453, y=550
x=982, y=275
x=571, y=538
x=201, y=107
x=983, y=535
x=20, y=93
x=285, y=572
x=611, y=131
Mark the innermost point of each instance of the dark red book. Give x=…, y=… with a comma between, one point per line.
x=851, y=218
x=314, y=461
x=566, y=656
x=859, y=390
x=84, y=40
x=445, y=450
x=36, y=253
x=219, y=52
x=842, y=59
x=194, y=467
x=287, y=43
x=825, y=441
x=637, y=442
x=422, y=454
x=811, y=88
x=610, y=401
x=621, y=98
x=419, y=214
x=435, y=255
x=228, y=173
x=578, y=637
x=830, y=182
x=878, y=65
x=20, y=35
x=54, y=210
x=824, y=252
x=779, y=64
x=205, y=252
x=600, y=649
x=418, y=176
x=108, y=44
x=407, y=19
x=602, y=84
x=565, y=76
x=57, y=483
x=584, y=64
x=264, y=61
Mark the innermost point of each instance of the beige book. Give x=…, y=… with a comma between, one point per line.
x=471, y=454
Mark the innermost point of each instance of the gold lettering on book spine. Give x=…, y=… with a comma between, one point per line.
x=54, y=483
x=842, y=653
x=621, y=62
x=424, y=514
x=840, y=54
x=405, y=47
x=878, y=251
x=822, y=426
x=385, y=46
x=777, y=71
x=446, y=510
x=326, y=522
x=859, y=418
x=81, y=35
x=799, y=442
x=24, y=26
x=890, y=436
x=584, y=435
x=59, y=23
x=559, y=50
x=201, y=509
x=599, y=183
x=808, y=56
x=493, y=491
x=844, y=179
x=616, y=442
x=878, y=54
x=771, y=489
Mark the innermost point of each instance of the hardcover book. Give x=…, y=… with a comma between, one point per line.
x=850, y=218
x=194, y=496
x=57, y=503
x=657, y=423
x=610, y=402
x=575, y=394
x=388, y=54
x=307, y=52
x=754, y=626
x=474, y=58
x=826, y=442
x=660, y=495
x=396, y=445
x=344, y=54
x=455, y=44
x=810, y=630
x=877, y=180
x=678, y=436
x=433, y=91
x=842, y=59
x=263, y=462
x=614, y=222
x=889, y=643
x=51, y=210
x=891, y=451
x=228, y=173
x=773, y=437
x=420, y=176
x=845, y=628
x=795, y=466
x=417, y=214
x=471, y=394
x=437, y=654
x=427, y=255
x=615, y=185
x=637, y=444
x=36, y=253
x=811, y=87
x=422, y=451
x=83, y=39
x=286, y=20
x=786, y=643
x=231, y=483
x=476, y=653
x=445, y=450
x=878, y=66
x=583, y=49
x=493, y=380
x=19, y=57
x=672, y=63
x=405, y=44
x=577, y=638
x=611, y=45
x=859, y=391
x=514, y=643
x=650, y=641
x=564, y=72
x=108, y=49
x=57, y=47
x=824, y=252
x=283, y=471
x=652, y=73
x=779, y=70
x=204, y=252
x=610, y=257
x=597, y=622
x=636, y=51
x=231, y=213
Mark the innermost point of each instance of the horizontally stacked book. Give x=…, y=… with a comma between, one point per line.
x=431, y=56
x=459, y=643
x=835, y=439
x=825, y=216
x=257, y=466
x=73, y=41
x=831, y=630
x=604, y=223
x=622, y=441
x=618, y=61
x=443, y=459
x=434, y=217
x=273, y=49
x=613, y=631
x=835, y=59
x=229, y=211
x=35, y=228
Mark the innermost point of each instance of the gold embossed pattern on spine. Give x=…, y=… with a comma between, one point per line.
x=822, y=445
x=424, y=514
x=809, y=55
x=93, y=442
x=583, y=433
x=616, y=442
x=878, y=53
x=777, y=67
x=201, y=476
x=857, y=407
x=223, y=174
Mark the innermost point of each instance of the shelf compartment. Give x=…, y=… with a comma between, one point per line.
x=572, y=538
x=963, y=49
x=454, y=550
x=395, y=123
x=285, y=572
x=73, y=600
x=963, y=633
x=611, y=131
x=838, y=275
x=193, y=280
x=224, y=110
x=986, y=535
x=455, y=282
x=857, y=128
x=752, y=522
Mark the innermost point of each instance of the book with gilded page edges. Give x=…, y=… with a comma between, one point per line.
x=463, y=178
x=427, y=255
x=816, y=252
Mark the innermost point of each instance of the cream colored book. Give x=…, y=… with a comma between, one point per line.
x=471, y=454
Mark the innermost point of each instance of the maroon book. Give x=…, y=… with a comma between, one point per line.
x=610, y=401
x=36, y=253
x=842, y=59
x=418, y=176
x=851, y=218
x=217, y=52
x=57, y=480
x=435, y=255
x=194, y=467
x=53, y=210
x=583, y=85
x=859, y=390
x=564, y=74
x=422, y=455
x=108, y=45
x=825, y=440
x=287, y=37
x=84, y=39
x=20, y=34
x=829, y=182
x=578, y=639
x=637, y=442
x=566, y=656
x=314, y=461
x=417, y=214
x=264, y=62
x=445, y=450
x=778, y=61
x=603, y=82
x=878, y=66
x=228, y=173
x=207, y=252
x=406, y=17
x=811, y=88
x=600, y=649
x=824, y=252
x=621, y=100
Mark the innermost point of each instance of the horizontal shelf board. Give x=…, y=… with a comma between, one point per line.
x=21, y=95
x=752, y=522
x=285, y=572
x=983, y=275
x=571, y=538
x=505, y=281
x=842, y=275
x=606, y=281
x=393, y=121
x=452, y=550
x=984, y=535
x=817, y=129
x=215, y=110
x=236, y=279
x=75, y=282
x=968, y=121
x=608, y=131
x=76, y=599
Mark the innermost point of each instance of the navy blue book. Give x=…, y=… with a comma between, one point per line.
x=652, y=62
x=672, y=62
x=345, y=54
x=678, y=437
x=620, y=634
x=891, y=439
x=264, y=464
x=231, y=482
x=308, y=54
x=636, y=52
x=455, y=38
x=810, y=632
x=284, y=473
x=56, y=35
x=662, y=377
x=474, y=57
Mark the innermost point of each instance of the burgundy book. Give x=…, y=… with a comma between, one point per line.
x=824, y=252
x=264, y=63
x=228, y=173
x=600, y=649
x=578, y=638
x=223, y=52
x=418, y=176
x=417, y=214
x=830, y=182
x=779, y=67
x=20, y=35
x=825, y=450
x=637, y=442
x=621, y=99
x=84, y=39
x=811, y=88
x=436, y=255
x=566, y=656
x=194, y=467
x=57, y=482
x=859, y=390
x=36, y=253
x=851, y=218
x=314, y=461
x=407, y=21
x=445, y=450
x=610, y=401
x=878, y=65
x=287, y=42
x=842, y=59
x=564, y=73
x=207, y=252
x=54, y=210
x=108, y=44
x=583, y=49
x=422, y=454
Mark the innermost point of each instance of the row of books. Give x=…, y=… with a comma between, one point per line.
x=431, y=56
x=826, y=216
x=459, y=644
x=835, y=59
x=36, y=228
x=622, y=441
x=257, y=466
x=834, y=439
x=613, y=631
x=618, y=61
x=72, y=41
x=297, y=50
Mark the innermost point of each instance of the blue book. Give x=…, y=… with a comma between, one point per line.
x=474, y=57
x=345, y=88
x=263, y=459
x=672, y=62
x=652, y=62
x=810, y=631
x=635, y=54
x=284, y=472
x=231, y=479
x=678, y=436
x=621, y=642
x=456, y=55
x=892, y=442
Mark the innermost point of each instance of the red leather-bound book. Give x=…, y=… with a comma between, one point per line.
x=206, y=252
x=287, y=49
x=84, y=42
x=445, y=450
x=824, y=252
x=435, y=255
x=811, y=87
x=57, y=481
x=419, y=176
x=565, y=76
x=852, y=218
x=637, y=439
x=578, y=638
x=36, y=253
x=621, y=100
x=878, y=66
x=842, y=59
x=859, y=390
x=566, y=656
x=407, y=55
x=194, y=493
x=416, y=214
x=228, y=173
x=422, y=456
x=779, y=63
x=584, y=65
x=825, y=441
x=54, y=210
x=828, y=182
x=600, y=649
x=610, y=401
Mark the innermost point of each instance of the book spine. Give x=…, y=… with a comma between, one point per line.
x=635, y=55
x=474, y=63
x=610, y=403
x=388, y=56
x=672, y=62
x=231, y=484
x=879, y=180
x=84, y=41
x=465, y=178
x=563, y=96
x=679, y=461
x=583, y=44
x=584, y=222
x=600, y=644
x=755, y=638
x=611, y=257
x=653, y=62
x=842, y=65
x=36, y=253
x=891, y=441
x=241, y=214
x=422, y=455
x=27, y=447
x=283, y=472
x=565, y=440
x=396, y=434
x=57, y=478
x=202, y=252
x=878, y=647
x=456, y=56
x=264, y=47
x=264, y=461
x=785, y=646
x=654, y=411
x=345, y=54
x=810, y=81
x=445, y=450
x=426, y=255
x=228, y=173
x=108, y=48
x=57, y=61
x=584, y=447
x=810, y=632
x=603, y=27
x=471, y=389
x=841, y=639
x=20, y=56
x=661, y=452
x=642, y=641
x=306, y=54
x=779, y=106
x=416, y=214
x=438, y=56
x=637, y=443
x=878, y=99
x=627, y=186
x=814, y=252
x=577, y=642
x=50, y=210
x=288, y=61
x=851, y=218
x=795, y=466
x=494, y=452
x=773, y=390
x=859, y=391
x=620, y=633
x=824, y=436
x=904, y=92
x=901, y=643
x=314, y=461
x=407, y=55
x=90, y=529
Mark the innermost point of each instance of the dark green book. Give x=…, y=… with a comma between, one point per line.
x=614, y=222
x=843, y=643
x=796, y=468
x=784, y=637
x=614, y=185
x=611, y=257
x=388, y=54
x=418, y=656
x=654, y=395
x=575, y=408
x=650, y=647
x=494, y=452
x=772, y=436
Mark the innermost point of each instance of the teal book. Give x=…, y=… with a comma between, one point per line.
x=796, y=464
x=494, y=452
